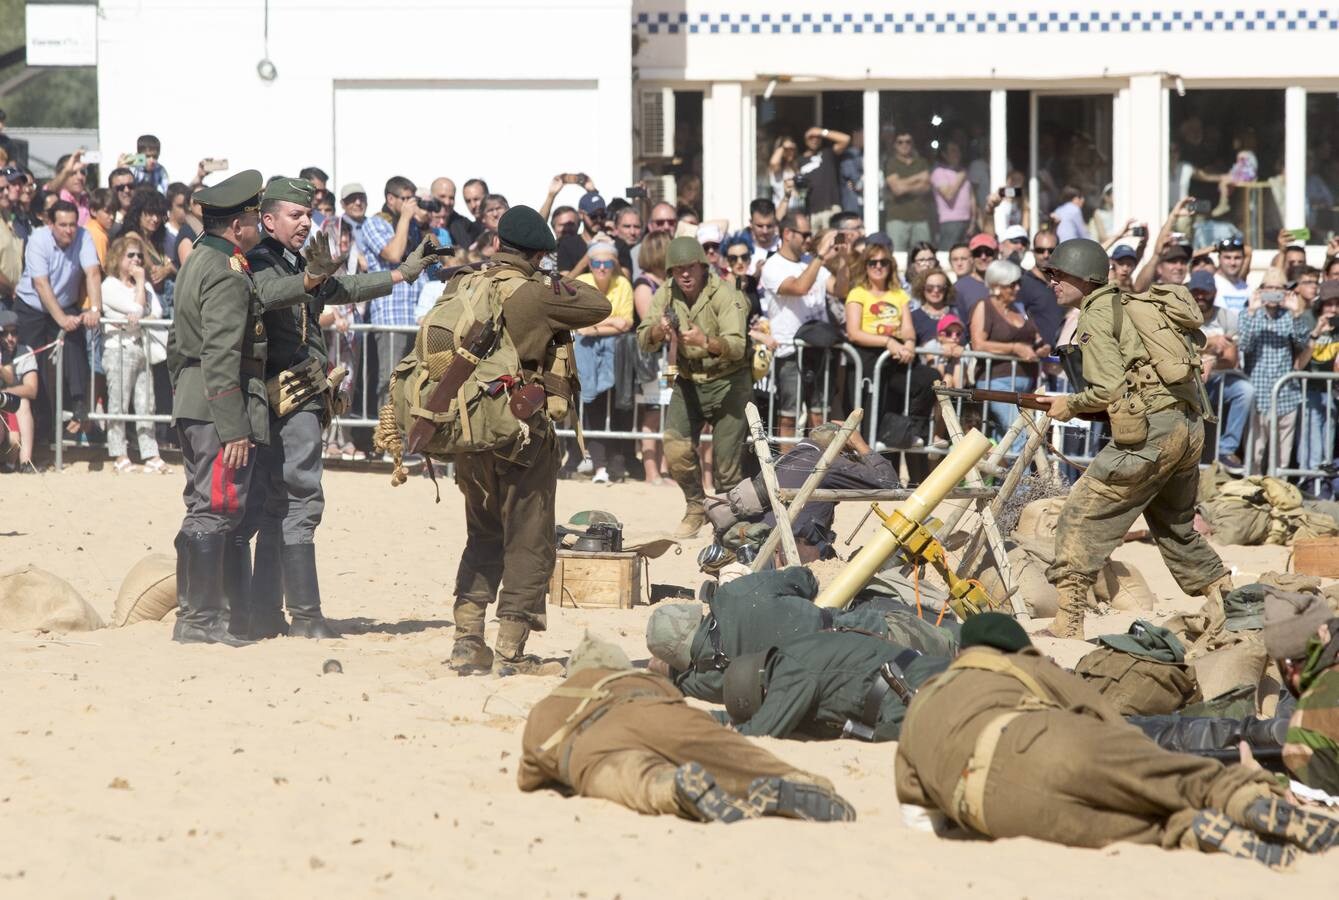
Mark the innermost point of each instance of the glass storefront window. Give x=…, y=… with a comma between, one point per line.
x=670, y=161
x=1074, y=154
x=1227, y=152
x=1322, y=166
x=934, y=155
x=829, y=169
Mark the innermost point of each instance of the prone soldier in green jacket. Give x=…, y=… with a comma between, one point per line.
x=707, y=320
x=288, y=500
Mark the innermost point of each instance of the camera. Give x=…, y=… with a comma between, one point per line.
x=1139, y=231
x=1008, y=193
x=1201, y=207
x=800, y=181
x=430, y=204
x=635, y=193
x=1271, y=298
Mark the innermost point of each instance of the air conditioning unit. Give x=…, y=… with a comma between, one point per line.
x=662, y=189
x=656, y=122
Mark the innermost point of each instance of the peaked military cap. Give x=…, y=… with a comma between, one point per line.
x=294, y=190
x=236, y=194
x=526, y=229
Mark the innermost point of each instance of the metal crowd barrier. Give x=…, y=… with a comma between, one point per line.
x=1308, y=468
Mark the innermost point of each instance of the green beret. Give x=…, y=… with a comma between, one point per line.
x=294, y=190
x=236, y=194
x=992, y=629
x=525, y=229
x=684, y=251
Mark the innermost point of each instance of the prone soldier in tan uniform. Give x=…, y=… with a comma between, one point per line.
x=626, y=735
x=1008, y=744
x=1156, y=474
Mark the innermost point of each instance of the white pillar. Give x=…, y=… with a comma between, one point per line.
x=1121, y=176
x=999, y=149
x=1294, y=157
x=1145, y=153
x=1033, y=192
x=873, y=169
x=726, y=174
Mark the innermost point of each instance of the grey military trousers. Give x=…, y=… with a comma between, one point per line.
x=216, y=495
x=288, y=500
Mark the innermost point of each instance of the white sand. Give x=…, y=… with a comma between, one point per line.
x=134, y=767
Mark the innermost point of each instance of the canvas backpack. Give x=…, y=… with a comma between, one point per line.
x=480, y=417
x=1168, y=321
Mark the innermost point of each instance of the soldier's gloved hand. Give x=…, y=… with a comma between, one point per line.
x=1060, y=410
x=419, y=259
x=320, y=264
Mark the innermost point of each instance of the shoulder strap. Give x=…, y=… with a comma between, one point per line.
x=1001, y=665
x=1117, y=315
x=586, y=695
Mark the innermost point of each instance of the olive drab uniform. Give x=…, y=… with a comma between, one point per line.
x=1011, y=745
x=709, y=390
x=1157, y=477
x=288, y=500
x=621, y=735
x=509, y=492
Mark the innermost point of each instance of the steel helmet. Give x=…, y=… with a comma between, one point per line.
x=1081, y=258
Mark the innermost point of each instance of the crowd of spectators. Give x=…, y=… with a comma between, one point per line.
x=845, y=318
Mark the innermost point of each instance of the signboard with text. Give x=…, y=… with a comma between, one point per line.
x=62, y=34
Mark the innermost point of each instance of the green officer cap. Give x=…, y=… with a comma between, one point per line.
x=526, y=229
x=294, y=190
x=1244, y=608
x=670, y=631
x=992, y=629
x=592, y=517
x=684, y=251
x=236, y=194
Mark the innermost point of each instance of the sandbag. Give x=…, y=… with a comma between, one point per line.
x=1139, y=687
x=32, y=599
x=148, y=592
x=1028, y=560
x=1237, y=518
x=1038, y=519
x=1123, y=587
x=1242, y=663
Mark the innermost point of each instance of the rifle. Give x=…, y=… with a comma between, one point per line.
x=477, y=344
x=1015, y=398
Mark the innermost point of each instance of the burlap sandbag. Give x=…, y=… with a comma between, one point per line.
x=148, y=592
x=1027, y=563
x=1239, y=664
x=1123, y=587
x=1139, y=687
x=32, y=599
x=1038, y=519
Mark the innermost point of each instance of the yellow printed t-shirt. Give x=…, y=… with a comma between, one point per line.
x=880, y=314
x=619, y=294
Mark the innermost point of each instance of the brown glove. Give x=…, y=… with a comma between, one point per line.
x=320, y=264
x=419, y=259
x=1060, y=410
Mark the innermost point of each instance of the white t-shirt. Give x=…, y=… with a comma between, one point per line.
x=1232, y=296
x=787, y=314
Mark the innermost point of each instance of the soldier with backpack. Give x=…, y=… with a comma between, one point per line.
x=1139, y=363
x=500, y=429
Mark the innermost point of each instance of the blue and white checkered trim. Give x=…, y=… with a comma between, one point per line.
x=1046, y=22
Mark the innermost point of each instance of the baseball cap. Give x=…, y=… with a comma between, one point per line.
x=8, y=319
x=591, y=203
x=1329, y=290
x=879, y=239
x=709, y=234
x=1014, y=233
x=13, y=174
x=350, y=189
x=983, y=240
x=947, y=322
x=1202, y=281
x=1123, y=251
x=1173, y=252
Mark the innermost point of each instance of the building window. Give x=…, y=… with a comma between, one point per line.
x=934, y=151
x=798, y=167
x=1227, y=152
x=1322, y=166
x=669, y=138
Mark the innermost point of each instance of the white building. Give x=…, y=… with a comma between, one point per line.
x=518, y=90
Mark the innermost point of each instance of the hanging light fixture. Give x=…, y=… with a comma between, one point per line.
x=265, y=68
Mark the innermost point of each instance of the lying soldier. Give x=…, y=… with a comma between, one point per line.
x=626, y=735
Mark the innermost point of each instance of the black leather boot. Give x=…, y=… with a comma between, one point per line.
x=267, y=591
x=302, y=593
x=237, y=585
x=204, y=622
x=183, y=555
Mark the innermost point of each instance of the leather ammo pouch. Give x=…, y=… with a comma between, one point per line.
x=291, y=388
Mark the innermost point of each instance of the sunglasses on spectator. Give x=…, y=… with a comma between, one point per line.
x=601, y=263
x=737, y=257
x=129, y=186
x=1042, y=251
x=954, y=332
x=134, y=254
x=878, y=263
x=711, y=247
x=804, y=234
x=935, y=288
x=1231, y=244
x=983, y=251
x=664, y=221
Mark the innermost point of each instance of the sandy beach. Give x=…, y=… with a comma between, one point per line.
x=132, y=767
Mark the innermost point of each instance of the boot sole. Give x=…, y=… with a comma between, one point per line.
x=1313, y=832
x=192, y=635
x=1216, y=830
x=798, y=800
x=696, y=790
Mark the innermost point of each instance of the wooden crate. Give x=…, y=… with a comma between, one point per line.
x=1316, y=556
x=596, y=580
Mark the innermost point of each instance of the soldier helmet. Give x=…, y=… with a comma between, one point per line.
x=595, y=652
x=670, y=632
x=1081, y=258
x=745, y=685
x=684, y=251
x=588, y=517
